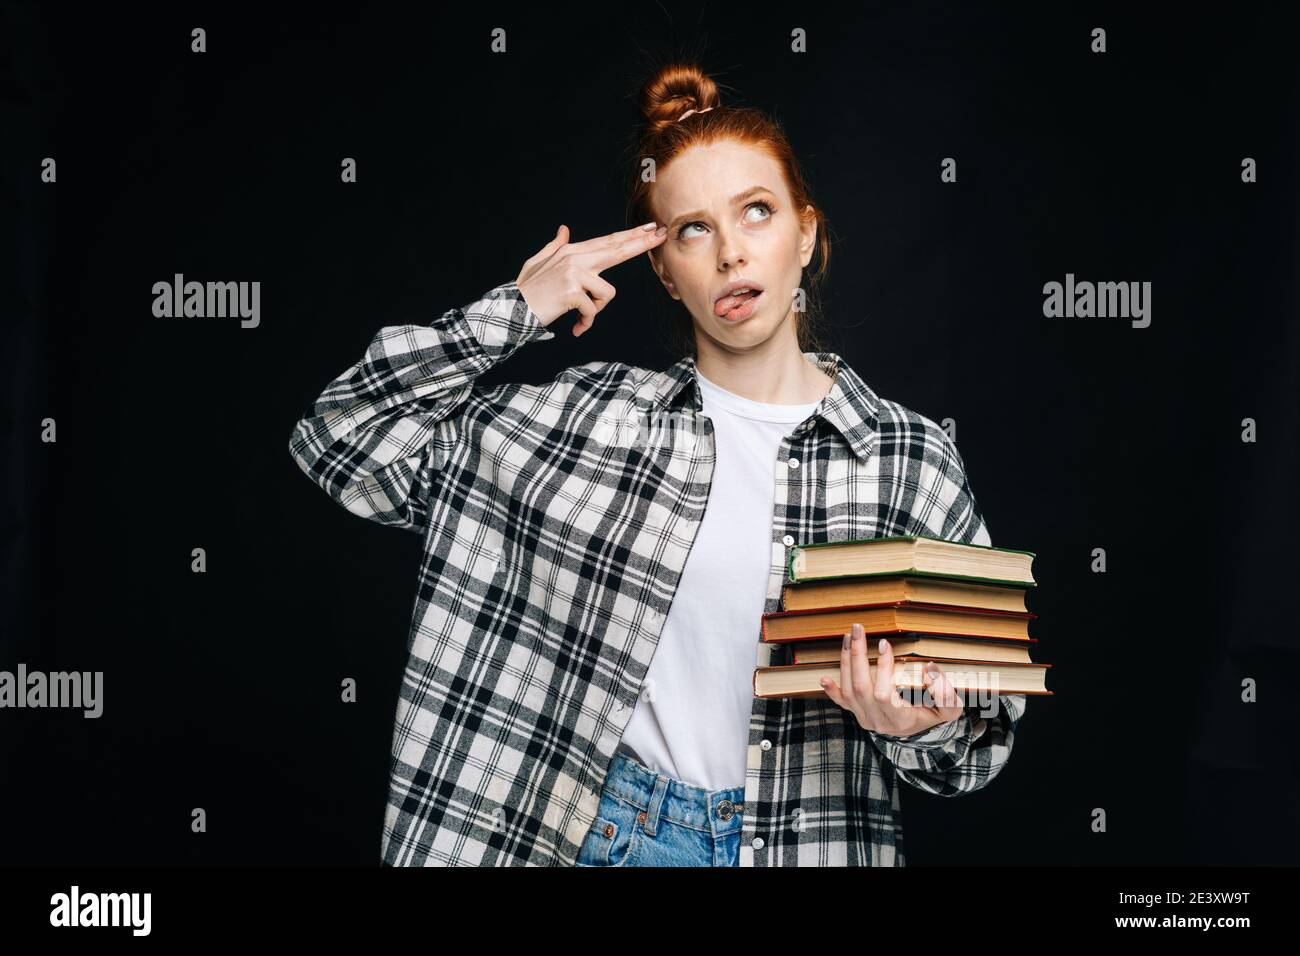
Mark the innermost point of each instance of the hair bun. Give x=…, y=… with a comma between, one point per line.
x=674, y=89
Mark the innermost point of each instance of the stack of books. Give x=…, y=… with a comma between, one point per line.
x=959, y=605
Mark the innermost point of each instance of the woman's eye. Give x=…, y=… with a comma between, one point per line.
x=760, y=204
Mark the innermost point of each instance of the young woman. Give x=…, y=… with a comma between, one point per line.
x=598, y=550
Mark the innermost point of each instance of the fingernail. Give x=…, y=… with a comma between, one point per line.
x=883, y=646
x=661, y=231
x=847, y=635
x=648, y=226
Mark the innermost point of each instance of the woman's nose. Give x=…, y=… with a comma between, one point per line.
x=729, y=257
x=731, y=250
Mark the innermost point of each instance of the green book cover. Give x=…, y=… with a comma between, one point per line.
x=794, y=552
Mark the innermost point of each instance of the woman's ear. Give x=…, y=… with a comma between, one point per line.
x=807, y=235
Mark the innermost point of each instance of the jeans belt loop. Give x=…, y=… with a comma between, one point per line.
x=657, y=795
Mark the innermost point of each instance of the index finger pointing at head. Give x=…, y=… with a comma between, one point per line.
x=605, y=251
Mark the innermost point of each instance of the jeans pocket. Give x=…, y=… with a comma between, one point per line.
x=612, y=836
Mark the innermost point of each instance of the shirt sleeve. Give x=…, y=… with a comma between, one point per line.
x=375, y=436
x=966, y=753
x=959, y=756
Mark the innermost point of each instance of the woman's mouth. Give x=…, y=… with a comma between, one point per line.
x=737, y=306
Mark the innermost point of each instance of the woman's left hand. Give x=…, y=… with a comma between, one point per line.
x=876, y=704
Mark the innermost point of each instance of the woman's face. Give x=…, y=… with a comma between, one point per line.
x=731, y=219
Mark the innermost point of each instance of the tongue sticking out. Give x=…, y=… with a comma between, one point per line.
x=729, y=302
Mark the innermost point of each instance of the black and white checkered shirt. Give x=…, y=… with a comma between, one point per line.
x=556, y=521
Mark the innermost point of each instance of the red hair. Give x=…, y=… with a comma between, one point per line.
x=680, y=86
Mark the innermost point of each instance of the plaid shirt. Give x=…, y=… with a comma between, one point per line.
x=556, y=521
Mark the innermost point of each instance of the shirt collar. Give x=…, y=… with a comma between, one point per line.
x=850, y=405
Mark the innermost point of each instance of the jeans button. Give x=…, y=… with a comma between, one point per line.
x=726, y=810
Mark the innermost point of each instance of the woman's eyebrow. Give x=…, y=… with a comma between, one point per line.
x=738, y=198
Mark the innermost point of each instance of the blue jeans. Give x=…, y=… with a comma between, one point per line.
x=650, y=819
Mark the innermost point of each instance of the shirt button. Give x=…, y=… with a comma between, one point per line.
x=765, y=745
x=788, y=540
x=758, y=843
x=793, y=463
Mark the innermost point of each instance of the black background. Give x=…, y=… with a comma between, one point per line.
x=222, y=690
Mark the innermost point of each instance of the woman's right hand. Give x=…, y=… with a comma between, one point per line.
x=564, y=276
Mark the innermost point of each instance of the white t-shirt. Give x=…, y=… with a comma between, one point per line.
x=691, y=720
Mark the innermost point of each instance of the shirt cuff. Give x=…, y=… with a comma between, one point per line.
x=501, y=321
x=936, y=737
